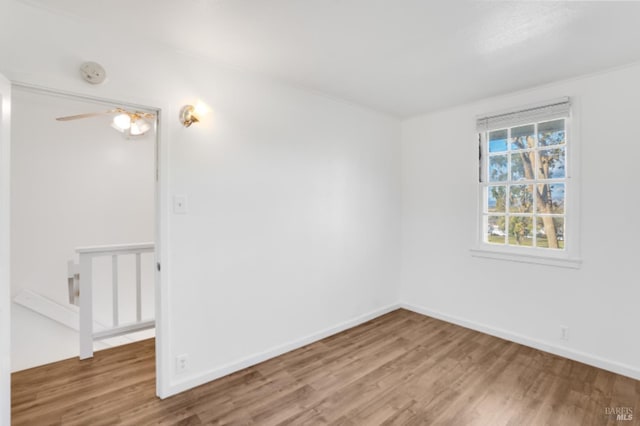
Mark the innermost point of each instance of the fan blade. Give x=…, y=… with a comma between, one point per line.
x=140, y=114
x=89, y=114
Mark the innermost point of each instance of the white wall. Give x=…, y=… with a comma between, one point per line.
x=74, y=184
x=37, y=340
x=529, y=303
x=293, y=224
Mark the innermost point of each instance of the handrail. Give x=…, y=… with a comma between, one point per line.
x=82, y=273
x=116, y=248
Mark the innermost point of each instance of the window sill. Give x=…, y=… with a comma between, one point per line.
x=561, y=262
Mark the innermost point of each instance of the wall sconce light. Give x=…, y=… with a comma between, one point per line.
x=188, y=115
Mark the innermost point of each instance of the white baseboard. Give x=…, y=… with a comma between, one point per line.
x=605, y=364
x=191, y=382
x=585, y=358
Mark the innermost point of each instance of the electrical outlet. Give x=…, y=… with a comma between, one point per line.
x=564, y=332
x=182, y=363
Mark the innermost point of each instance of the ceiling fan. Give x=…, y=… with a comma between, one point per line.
x=127, y=122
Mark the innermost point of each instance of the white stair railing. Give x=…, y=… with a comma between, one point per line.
x=80, y=282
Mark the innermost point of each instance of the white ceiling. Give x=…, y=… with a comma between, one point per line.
x=403, y=57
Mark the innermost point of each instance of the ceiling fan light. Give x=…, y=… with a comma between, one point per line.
x=121, y=122
x=139, y=127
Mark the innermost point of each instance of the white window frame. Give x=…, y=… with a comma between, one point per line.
x=567, y=257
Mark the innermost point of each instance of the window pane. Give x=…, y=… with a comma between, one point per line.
x=550, y=226
x=497, y=168
x=521, y=230
x=524, y=202
x=551, y=133
x=553, y=198
x=522, y=165
x=496, y=198
x=523, y=137
x=498, y=141
x=495, y=229
x=551, y=164
x=521, y=199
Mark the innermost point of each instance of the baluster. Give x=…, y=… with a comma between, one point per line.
x=85, y=269
x=114, y=284
x=138, y=289
x=86, y=306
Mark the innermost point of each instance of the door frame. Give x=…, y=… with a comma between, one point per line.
x=161, y=225
x=5, y=287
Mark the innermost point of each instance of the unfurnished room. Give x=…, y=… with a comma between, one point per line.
x=310, y=212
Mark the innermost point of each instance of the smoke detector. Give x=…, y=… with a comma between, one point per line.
x=93, y=72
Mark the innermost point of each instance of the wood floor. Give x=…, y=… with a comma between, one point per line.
x=399, y=369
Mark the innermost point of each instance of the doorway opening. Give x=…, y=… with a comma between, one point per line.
x=82, y=190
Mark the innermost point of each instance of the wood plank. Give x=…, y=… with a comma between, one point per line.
x=400, y=368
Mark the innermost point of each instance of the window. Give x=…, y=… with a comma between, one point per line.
x=524, y=183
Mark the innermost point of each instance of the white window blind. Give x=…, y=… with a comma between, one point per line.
x=558, y=108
